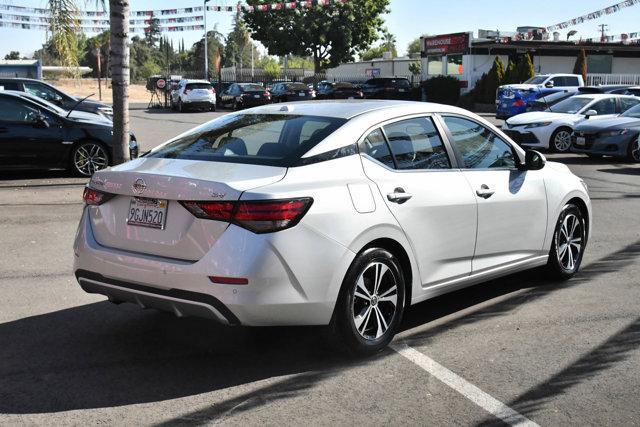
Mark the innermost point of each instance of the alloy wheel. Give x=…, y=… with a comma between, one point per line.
x=89, y=158
x=634, y=150
x=375, y=301
x=569, y=242
x=562, y=141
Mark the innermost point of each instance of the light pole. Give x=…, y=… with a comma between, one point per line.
x=206, y=47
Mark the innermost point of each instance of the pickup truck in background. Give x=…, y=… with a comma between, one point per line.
x=513, y=99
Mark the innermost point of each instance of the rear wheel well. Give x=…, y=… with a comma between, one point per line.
x=398, y=251
x=582, y=206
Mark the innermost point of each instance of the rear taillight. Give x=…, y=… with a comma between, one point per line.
x=259, y=216
x=211, y=90
x=518, y=103
x=290, y=92
x=94, y=197
x=267, y=94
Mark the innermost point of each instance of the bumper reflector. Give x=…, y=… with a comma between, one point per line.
x=229, y=280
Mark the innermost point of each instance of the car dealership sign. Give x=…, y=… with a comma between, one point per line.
x=446, y=44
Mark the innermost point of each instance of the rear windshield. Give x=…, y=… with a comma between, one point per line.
x=261, y=139
x=344, y=85
x=633, y=112
x=297, y=86
x=192, y=86
x=571, y=105
x=252, y=88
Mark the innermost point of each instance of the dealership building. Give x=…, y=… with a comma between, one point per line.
x=467, y=58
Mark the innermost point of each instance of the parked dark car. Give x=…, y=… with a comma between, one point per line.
x=544, y=100
x=36, y=134
x=287, y=92
x=56, y=96
x=616, y=137
x=387, y=88
x=613, y=89
x=340, y=90
x=243, y=95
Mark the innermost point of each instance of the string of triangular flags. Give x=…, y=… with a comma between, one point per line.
x=593, y=15
x=266, y=7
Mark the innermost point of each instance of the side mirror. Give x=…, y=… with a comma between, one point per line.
x=549, y=84
x=58, y=100
x=590, y=113
x=41, y=122
x=533, y=160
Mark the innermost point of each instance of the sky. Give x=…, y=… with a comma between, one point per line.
x=407, y=19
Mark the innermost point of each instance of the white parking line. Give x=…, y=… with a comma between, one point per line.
x=465, y=388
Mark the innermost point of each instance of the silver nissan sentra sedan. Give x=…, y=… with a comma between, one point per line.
x=338, y=213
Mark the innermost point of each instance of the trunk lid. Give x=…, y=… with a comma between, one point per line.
x=183, y=236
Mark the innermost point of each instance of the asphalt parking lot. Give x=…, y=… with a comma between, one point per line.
x=552, y=354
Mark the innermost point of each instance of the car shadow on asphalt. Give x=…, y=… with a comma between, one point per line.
x=101, y=355
x=622, y=171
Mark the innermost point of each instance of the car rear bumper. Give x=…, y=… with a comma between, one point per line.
x=283, y=289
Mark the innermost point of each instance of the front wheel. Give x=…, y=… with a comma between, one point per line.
x=633, y=152
x=371, y=302
x=561, y=140
x=87, y=158
x=569, y=242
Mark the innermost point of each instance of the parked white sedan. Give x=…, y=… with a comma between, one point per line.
x=552, y=129
x=327, y=213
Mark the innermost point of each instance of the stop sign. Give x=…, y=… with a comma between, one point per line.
x=161, y=83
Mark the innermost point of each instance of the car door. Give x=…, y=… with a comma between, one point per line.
x=431, y=200
x=512, y=204
x=29, y=137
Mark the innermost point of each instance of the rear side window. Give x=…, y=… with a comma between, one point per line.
x=571, y=81
x=297, y=86
x=375, y=146
x=9, y=86
x=192, y=86
x=605, y=106
x=401, y=83
x=261, y=139
x=416, y=144
x=626, y=103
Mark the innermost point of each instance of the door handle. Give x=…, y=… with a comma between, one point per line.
x=399, y=196
x=484, y=191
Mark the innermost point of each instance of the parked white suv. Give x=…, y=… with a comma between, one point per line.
x=193, y=94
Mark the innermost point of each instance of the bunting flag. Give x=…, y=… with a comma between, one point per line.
x=593, y=15
x=101, y=22
x=133, y=13
x=99, y=29
x=289, y=5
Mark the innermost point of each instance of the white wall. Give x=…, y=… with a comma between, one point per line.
x=625, y=66
x=388, y=68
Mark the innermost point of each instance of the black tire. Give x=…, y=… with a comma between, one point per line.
x=181, y=108
x=633, y=150
x=560, y=267
x=594, y=156
x=365, y=338
x=235, y=105
x=94, y=152
x=213, y=107
x=556, y=145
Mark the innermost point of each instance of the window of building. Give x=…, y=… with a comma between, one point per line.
x=454, y=65
x=434, y=65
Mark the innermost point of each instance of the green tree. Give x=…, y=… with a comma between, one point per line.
x=271, y=66
x=415, y=46
x=152, y=32
x=13, y=55
x=239, y=44
x=330, y=35
x=389, y=42
x=300, y=62
x=525, y=68
x=148, y=69
x=215, y=52
x=376, y=52
x=415, y=68
x=580, y=66
x=511, y=75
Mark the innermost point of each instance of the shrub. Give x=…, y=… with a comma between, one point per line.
x=511, y=75
x=442, y=89
x=525, y=69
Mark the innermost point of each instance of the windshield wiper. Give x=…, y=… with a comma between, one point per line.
x=78, y=103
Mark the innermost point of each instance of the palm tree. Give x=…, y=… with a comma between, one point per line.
x=64, y=26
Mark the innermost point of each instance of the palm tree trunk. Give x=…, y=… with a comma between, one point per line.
x=119, y=57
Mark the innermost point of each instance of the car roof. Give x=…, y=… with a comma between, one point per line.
x=347, y=109
x=602, y=95
x=196, y=81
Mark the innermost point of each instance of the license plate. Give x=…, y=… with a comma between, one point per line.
x=504, y=105
x=351, y=97
x=580, y=140
x=145, y=212
x=256, y=96
x=401, y=90
x=301, y=94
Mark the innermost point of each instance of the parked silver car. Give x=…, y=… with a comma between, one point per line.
x=193, y=94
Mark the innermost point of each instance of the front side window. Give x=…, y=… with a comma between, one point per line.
x=416, y=144
x=605, y=106
x=41, y=91
x=536, y=80
x=16, y=112
x=261, y=139
x=559, y=81
x=375, y=146
x=480, y=147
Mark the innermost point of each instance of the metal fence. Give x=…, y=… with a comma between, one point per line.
x=613, y=79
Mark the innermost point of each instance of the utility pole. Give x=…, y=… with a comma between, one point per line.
x=603, y=35
x=206, y=48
